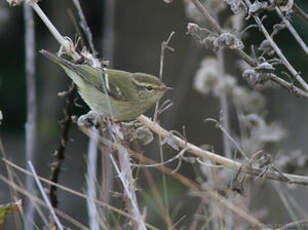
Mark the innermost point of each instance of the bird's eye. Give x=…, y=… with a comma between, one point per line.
x=149, y=88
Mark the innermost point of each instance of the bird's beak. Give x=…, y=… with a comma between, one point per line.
x=166, y=88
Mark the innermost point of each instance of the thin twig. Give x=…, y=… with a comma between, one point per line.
x=292, y=30
x=179, y=155
x=294, y=225
x=300, y=12
x=34, y=198
x=289, y=86
x=228, y=204
x=50, y=207
x=14, y=194
x=126, y=179
x=71, y=191
x=285, y=202
x=85, y=27
x=163, y=47
x=226, y=133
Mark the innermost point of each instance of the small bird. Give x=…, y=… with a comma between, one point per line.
x=130, y=94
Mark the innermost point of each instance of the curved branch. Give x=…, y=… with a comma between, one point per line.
x=292, y=179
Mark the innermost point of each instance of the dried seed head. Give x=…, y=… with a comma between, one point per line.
x=251, y=76
x=265, y=67
x=229, y=40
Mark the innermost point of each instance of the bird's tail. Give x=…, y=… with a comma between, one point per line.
x=75, y=72
x=58, y=60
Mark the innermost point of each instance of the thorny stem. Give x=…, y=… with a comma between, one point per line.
x=278, y=51
x=60, y=151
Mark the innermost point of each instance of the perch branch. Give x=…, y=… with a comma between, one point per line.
x=203, y=154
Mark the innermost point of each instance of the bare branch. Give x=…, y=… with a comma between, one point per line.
x=203, y=154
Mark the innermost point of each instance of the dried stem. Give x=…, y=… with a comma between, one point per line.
x=284, y=60
x=229, y=163
x=289, y=86
x=65, y=43
x=107, y=180
x=292, y=30
x=50, y=207
x=91, y=179
x=85, y=27
x=126, y=178
x=71, y=191
x=224, y=106
x=31, y=136
x=300, y=12
x=219, y=30
x=92, y=147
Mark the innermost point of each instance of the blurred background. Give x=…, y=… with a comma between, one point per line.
x=139, y=28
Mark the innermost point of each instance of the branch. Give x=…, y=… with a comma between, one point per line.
x=292, y=179
x=300, y=12
x=289, y=86
x=292, y=30
x=59, y=153
x=126, y=178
